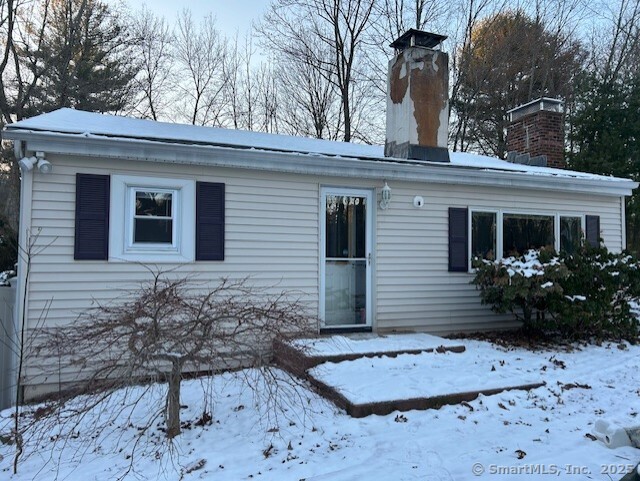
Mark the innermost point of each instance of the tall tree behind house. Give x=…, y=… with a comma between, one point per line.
x=605, y=128
x=511, y=59
x=297, y=29
x=59, y=53
x=86, y=51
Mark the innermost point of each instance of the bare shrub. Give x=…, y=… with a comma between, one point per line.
x=114, y=357
x=171, y=326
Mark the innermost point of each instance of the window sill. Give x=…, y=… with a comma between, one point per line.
x=152, y=258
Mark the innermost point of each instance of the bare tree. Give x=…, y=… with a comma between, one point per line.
x=269, y=99
x=22, y=26
x=152, y=39
x=199, y=54
x=311, y=105
x=294, y=28
x=466, y=23
x=242, y=86
x=171, y=326
x=232, y=72
x=615, y=39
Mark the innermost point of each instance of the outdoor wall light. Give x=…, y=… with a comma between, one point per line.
x=28, y=163
x=385, y=195
x=44, y=166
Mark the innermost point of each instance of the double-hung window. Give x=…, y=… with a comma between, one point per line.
x=152, y=219
x=484, y=235
x=152, y=215
x=570, y=233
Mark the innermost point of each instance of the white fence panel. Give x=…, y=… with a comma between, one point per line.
x=7, y=345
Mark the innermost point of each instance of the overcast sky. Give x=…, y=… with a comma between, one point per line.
x=231, y=15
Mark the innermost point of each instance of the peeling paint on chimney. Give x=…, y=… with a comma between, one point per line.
x=417, y=103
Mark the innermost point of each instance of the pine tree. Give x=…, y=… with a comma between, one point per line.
x=86, y=49
x=606, y=137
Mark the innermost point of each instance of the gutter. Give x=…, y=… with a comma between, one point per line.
x=308, y=164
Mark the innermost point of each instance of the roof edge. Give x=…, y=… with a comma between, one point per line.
x=309, y=164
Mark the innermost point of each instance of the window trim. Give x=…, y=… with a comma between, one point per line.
x=583, y=226
x=130, y=219
x=122, y=247
x=500, y=226
x=470, y=230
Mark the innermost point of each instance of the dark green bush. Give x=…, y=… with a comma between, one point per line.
x=588, y=294
x=599, y=294
x=526, y=286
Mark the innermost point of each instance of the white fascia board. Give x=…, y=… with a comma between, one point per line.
x=309, y=164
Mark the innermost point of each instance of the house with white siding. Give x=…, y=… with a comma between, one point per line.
x=372, y=238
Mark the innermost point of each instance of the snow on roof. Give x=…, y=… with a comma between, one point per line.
x=70, y=121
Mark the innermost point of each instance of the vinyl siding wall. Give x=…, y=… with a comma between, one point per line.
x=272, y=235
x=415, y=289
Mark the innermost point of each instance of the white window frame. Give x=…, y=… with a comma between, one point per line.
x=121, y=220
x=500, y=226
x=130, y=208
x=470, y=231
x=557, y=226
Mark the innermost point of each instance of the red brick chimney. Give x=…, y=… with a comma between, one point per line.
x=536, y=129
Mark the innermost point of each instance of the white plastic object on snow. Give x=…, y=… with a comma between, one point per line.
x=612, y=435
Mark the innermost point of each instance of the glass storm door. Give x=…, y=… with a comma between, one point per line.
x=345, y=299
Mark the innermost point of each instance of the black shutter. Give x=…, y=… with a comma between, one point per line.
x=209, y=221
x=592, y=231
x=458, y=240
x=92, y=217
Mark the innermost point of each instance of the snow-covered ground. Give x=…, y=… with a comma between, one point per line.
x=515, y=435
x=410, y=376
x=336, y=345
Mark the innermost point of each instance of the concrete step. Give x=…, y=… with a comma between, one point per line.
x=301, y=356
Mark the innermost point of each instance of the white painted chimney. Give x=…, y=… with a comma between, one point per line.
x=418, y=98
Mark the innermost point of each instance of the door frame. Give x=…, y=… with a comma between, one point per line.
x=369, y=195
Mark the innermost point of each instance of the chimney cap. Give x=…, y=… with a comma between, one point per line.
x=417, y=38
x=543, y=103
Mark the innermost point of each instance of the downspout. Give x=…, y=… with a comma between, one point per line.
x=623, y=218
x=18, y=149
x=22, y=294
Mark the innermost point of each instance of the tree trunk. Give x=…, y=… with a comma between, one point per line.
x=347, y=115
x=173, y=400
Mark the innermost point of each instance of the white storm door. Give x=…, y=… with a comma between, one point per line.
x=345, y=260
